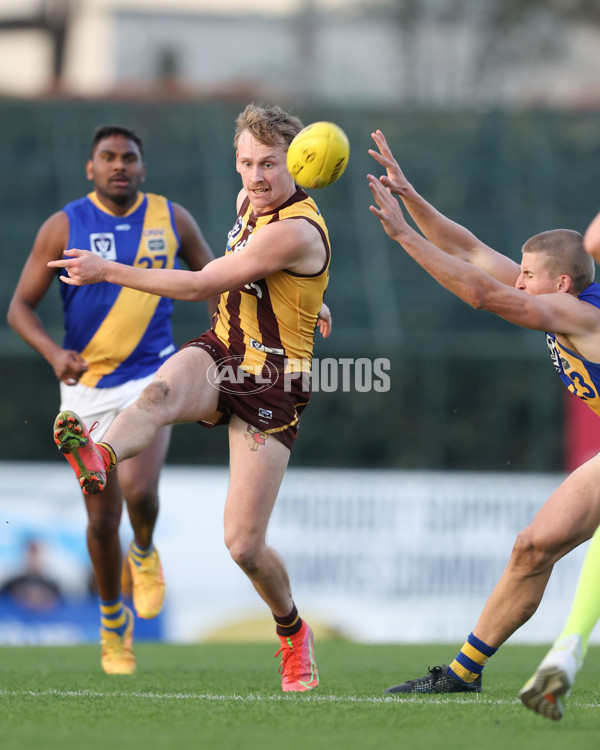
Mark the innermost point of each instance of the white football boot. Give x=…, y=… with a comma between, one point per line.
x=551, y=682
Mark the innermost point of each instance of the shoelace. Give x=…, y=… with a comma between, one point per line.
x=435, y=672
x=287, y=653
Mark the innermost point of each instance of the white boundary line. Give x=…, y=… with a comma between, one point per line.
x=252, y=697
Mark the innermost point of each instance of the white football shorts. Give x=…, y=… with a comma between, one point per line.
x=100, y=404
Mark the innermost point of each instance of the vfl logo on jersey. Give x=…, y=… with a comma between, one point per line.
x=234, y=238
x=103, y=244
x=234, y=233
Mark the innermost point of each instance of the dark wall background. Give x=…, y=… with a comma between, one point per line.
x=468, y=391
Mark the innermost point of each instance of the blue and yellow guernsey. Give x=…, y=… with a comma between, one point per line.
x=581, y=376
x=123, y=334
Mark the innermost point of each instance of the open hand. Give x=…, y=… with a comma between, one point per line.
x=387, y=210
x=394, y=179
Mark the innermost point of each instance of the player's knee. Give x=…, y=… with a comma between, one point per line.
x=154, y=395
x=529, y=553
x=139, y=488
x=243, y=551
x=142, y=498
x=102, y=527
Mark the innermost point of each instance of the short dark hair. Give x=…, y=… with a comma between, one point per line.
x=106, y=131
x=564, y=253
x=271, y=126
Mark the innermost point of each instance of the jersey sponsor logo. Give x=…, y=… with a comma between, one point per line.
x=103, y=244
x=123, y=227
x=265, y=413
x=156, y=245
x=155, y=239
x=554, y=354
x=262, y=348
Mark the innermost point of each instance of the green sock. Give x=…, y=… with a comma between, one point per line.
x=585, y=610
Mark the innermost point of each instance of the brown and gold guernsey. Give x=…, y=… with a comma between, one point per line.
x=274, y=317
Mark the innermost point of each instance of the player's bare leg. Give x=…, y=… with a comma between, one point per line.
x=568, y=518
x=257, y=464
x=181, y=391
x=116, y=631
x=138, y=477
x=104, y=546
x=257, y=470
x=548, y=688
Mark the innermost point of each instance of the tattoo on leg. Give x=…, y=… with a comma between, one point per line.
x=255, y=437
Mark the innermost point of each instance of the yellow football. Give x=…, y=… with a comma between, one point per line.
x=318, y=155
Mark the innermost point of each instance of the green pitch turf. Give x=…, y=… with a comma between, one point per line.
x=228, y=697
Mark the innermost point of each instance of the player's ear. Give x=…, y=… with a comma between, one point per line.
x=88, y=170
x=565, y=284
x=143, y=175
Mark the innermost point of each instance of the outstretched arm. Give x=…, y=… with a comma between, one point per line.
x=557, y=312
x=454, y=273
x=446, y=234
x=291, y=245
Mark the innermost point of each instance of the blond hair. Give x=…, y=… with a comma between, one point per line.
x=565, y=254
x=270, y=126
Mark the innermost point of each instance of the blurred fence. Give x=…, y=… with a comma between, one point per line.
x=467, y=391
x=375, y=556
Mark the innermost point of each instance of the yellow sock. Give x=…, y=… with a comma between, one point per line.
x=139, y=554
x=471, y=659
x=113, y=616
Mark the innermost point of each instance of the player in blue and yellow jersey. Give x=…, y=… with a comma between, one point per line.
x=552, y=290
x=115, y=340
x=555, y=675
x=248, y=370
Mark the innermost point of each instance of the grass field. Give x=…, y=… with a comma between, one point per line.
x=228, y=696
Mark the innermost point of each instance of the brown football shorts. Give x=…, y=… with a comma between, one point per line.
x=271, y=403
